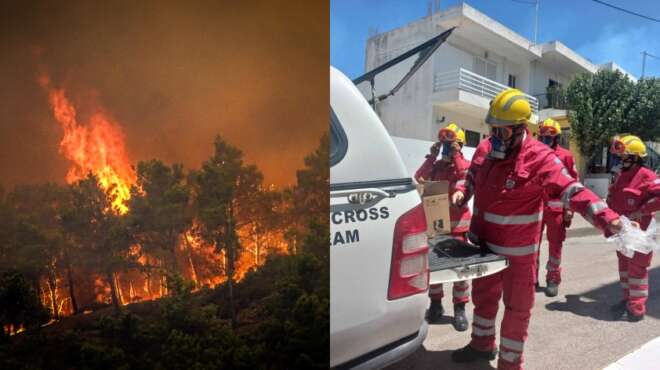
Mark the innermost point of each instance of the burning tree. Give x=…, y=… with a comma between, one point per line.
x=223, y=186
x=101, y=233
x=159, y=212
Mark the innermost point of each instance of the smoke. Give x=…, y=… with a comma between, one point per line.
x=173, y=75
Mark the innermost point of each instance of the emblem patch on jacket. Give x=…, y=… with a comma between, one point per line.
x=509, y=184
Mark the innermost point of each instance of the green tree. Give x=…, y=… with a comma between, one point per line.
x=598, y=108
x=609, y=103
x=644, y=115
x=222, y=186
x=159, y=210
x=102, y=234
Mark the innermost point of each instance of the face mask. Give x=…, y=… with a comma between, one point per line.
x=615, y=163
x=446, y=151
x=627, y=163
x=547, y=140
x=498, y=147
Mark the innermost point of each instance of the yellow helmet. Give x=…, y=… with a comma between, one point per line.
x=509, y=107
x=628, y=144
x=452, y=132
x=550, y=127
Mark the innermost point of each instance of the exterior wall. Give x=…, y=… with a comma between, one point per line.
x=540, y=74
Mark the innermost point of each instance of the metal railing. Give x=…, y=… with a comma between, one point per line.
x=552, y=100
x=471, y=82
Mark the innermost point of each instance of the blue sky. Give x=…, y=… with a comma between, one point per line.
x=597, y=32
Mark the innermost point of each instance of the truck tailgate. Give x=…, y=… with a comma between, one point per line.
x=455, y=260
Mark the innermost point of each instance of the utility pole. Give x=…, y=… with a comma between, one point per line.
x=644, y=55
x=536, y=21
x=643, y=63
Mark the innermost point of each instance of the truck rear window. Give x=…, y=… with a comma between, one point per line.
x=338, y=141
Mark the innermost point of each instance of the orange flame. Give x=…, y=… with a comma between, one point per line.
x=96, y=146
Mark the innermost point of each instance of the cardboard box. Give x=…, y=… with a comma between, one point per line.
x=435, y=198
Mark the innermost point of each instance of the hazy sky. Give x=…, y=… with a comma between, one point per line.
x=173, y=75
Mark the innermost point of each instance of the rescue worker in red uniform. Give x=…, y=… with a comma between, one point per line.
x=555, y=218
x=451, y=167
x=508, y=175
x=634, y=193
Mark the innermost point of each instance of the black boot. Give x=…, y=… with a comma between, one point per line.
x=552, y=289
x=435, y=312
x=460, y=320
x=618, y=310
x=469, y=354
x=634, y=318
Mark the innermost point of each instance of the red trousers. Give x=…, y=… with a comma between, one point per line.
x=634, y=277
x=461, y=291
x=516, y=284
x=553, y=222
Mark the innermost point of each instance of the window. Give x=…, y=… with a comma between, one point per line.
x=338, y=141
x=485, y=68
x=471, y=138
x=512, y=81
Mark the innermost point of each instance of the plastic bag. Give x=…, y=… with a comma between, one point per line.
x=632, y=239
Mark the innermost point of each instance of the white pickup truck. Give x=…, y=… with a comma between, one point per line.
x=380, y=260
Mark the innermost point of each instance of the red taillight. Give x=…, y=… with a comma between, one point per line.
x=409, y=273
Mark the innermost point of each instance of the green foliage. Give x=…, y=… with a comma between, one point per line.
x=609, y=103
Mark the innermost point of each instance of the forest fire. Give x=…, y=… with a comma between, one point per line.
x=96, y=146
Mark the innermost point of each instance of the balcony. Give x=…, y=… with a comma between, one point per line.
x=469, y=93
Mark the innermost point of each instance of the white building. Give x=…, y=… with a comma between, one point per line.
x=478, y=60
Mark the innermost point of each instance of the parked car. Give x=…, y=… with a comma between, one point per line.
x=380, y=260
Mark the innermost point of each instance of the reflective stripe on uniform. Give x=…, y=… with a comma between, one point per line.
x=483, y=322
x=638, y=281
x=460, y=182
x=624, y=285
x=595, y=208
x=509, y=356
x=638, y=292
x=551, y=267
x=460, y=223
x=568, y=193
x=460, y=294
x=512, y=219
x=623, y=274
x=461, y=284
x=479, y=332
x=513, y=250
x=512, y=344
x=557, y=160
x=435, y=290
x=554, y=260
x=555, y=203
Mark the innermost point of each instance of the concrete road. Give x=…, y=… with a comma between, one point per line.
x=570, y=331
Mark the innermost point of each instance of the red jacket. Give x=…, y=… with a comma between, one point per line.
x=554, y=203
x=453, y=172
x=635, y=190
x=508, y=198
